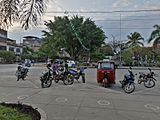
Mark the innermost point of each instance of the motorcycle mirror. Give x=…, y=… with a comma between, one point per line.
x=149, y=69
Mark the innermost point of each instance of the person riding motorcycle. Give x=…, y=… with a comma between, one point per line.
x=55, y=67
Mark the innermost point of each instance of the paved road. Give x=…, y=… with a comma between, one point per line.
x=81, y=101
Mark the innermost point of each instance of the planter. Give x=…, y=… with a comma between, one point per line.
x=33, y=111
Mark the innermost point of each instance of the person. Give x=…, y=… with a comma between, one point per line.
x=55, y=67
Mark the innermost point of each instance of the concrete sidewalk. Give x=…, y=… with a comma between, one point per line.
x=80, y=101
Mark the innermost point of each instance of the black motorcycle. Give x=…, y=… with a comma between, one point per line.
x=128, y=84
x=147, y=79
x=46, y=78
x=21, y=72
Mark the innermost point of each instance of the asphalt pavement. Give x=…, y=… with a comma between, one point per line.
x=81, y=101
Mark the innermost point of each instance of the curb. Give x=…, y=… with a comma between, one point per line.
x=41, y=112
x=140, y=68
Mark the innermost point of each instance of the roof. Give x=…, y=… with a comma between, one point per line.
x=31, y=37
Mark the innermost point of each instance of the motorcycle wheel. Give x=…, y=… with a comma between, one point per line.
x=68, y=80
x=45, y=83
x=149, y=83
x=129, y=88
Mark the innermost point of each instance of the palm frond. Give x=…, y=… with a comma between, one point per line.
x=140, y=43
x=31, y=12
x=155, y=34
x=9, y=12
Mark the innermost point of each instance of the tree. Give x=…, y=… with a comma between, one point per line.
x=127, y=57
x=134, y=40
x=155, y=35
x=8, y=56
x=77, y=35
x=27, y=12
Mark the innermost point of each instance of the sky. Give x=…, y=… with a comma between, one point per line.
x=118, y=24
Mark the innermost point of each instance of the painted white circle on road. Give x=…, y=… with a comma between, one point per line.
x=103, y=102
x=61, y=100
x=152, y=107
x=22, y=97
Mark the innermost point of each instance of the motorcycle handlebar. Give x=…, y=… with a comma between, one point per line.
x=149, y=69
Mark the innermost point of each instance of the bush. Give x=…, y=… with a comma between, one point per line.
x=127, y=58
x=7, y=56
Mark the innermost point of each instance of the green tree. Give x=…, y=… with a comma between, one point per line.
x=77, y=35
x=127, y=57
x=28, y=53
x=134, y=39
x=27, y=12
x=8, y=56
x=155, y=35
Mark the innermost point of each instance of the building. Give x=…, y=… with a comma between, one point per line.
x=7, y=44
x=32, y=42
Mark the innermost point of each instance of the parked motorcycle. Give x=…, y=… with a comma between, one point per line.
x=63, y=75
x=76, y=74
x=128, y=84
x=46, y=78
x=21, y=72
x=147, y=79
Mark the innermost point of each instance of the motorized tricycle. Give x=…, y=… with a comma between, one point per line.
x=106, y=73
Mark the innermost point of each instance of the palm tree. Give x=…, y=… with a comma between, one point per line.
x=155, y=36
x=134, y=40
x=27, y=12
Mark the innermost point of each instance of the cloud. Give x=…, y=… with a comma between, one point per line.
x=121, y=3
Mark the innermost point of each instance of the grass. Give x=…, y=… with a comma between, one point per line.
x=7, y=113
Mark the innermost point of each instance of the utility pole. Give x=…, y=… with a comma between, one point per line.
x=120, y=30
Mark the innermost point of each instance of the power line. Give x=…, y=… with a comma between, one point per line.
x=127, y=20
x=116, y=11
x=127, y=28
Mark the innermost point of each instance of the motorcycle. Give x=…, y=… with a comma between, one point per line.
x=46, y=78
x=21, y=72
x=76, y=74
x=63, y=75
x=128, y=84
x=147, y=79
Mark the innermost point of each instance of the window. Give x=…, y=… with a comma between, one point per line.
x=18, y=50
x=11, y=49
x=107, y=65
x=3, y=48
